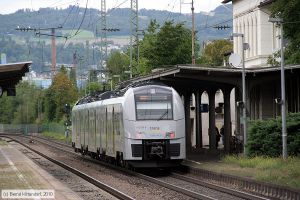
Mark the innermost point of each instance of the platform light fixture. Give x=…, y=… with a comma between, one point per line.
x=244, y=46
x=279, y=22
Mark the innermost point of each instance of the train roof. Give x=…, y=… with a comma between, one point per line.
x=102, y=95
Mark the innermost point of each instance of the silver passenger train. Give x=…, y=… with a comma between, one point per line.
x=140, y=126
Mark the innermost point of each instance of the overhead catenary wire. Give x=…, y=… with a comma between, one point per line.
x=87, y=1
x=109, y=12
x=68, y=16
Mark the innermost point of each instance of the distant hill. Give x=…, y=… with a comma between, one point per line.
x=71, y=17
x=23, y=46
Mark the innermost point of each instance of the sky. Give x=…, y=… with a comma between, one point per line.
x=10, y=6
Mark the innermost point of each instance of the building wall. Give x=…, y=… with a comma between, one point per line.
x=262, y=97
x=260, y=34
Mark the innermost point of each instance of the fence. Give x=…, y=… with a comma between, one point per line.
x=32, y=128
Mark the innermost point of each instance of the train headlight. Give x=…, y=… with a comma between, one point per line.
x=170, y=135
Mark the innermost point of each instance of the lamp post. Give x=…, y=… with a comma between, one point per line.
x=244, y=47
x=279, y=22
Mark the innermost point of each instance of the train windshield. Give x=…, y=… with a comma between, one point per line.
x=154, y=104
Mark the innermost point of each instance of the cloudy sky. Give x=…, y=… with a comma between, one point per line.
x=9, y=6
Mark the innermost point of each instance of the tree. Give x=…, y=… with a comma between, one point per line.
x=7, y=109
x=61, y=92
x=289, y=12
x=73, y=77
x=213, y=53
x=23, y=108
x=161, y=46
x=148, y=44
x=118, y=63
x=170, y=45
x=26, y=101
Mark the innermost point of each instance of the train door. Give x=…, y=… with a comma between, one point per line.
x=82, y=128
x=102, y=129
x=78, y=128
x=110, y=130
x=94, y=129
x=106, y=126
x=98, y=128
x=91, y=130
x=86, y=129
x=117, y=125
x=113, y=130
x=73, y=128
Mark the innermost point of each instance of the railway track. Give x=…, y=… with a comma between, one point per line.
x=237, y=193
x=219, y=188
x=116, y=193
x=62, y=144
x=188, y=180
x=186, y=192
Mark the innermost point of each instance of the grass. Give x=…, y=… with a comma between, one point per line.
x=2, y=142
x=271, y=170
x=57, y=136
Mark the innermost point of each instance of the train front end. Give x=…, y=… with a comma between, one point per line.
x=154, y=126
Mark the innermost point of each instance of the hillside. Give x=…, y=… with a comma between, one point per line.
x=71, y=17
x=22, y=46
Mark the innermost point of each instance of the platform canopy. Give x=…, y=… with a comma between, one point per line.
x=10, y=75
x=212, y=75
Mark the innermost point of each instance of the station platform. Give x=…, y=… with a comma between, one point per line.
x=17, y=172
x=197, y=157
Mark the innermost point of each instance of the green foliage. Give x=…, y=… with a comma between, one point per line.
x=272, y=59
x=33, y=105
x=213, y=53
x=38, y=49
x=61, y=92
x=170, y=45
x=40, y=52
x=265, y=137
x=94, y=87
x=289, y=12
x=7, y=109
x=23, y=108
x=273, y=170
x=57, y=136
x=162, y=46
x=52, y=17
x=118, y=63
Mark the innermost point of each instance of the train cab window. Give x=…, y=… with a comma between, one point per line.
x=153, y=104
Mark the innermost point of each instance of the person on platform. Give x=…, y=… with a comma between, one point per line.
x=218, y=136
x=222, y=134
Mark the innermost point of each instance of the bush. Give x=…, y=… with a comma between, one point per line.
x=265, y=137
